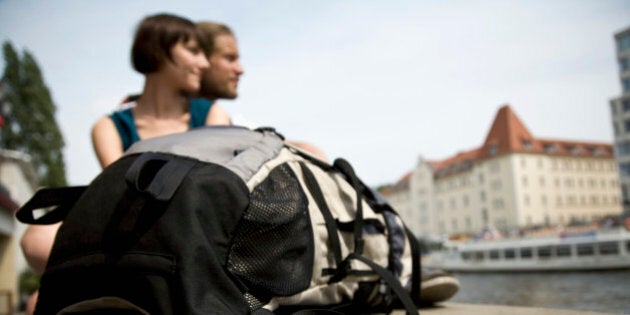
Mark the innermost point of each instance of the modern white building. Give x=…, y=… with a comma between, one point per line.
x=513, y=180
x=620, y=110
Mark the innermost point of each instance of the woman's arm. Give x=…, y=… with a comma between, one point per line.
x=106, y=142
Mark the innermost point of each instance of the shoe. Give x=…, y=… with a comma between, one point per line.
x=437, y=285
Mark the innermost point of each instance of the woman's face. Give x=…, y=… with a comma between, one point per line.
x=187, y=65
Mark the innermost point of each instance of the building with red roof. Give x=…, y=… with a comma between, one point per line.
x=513, y=180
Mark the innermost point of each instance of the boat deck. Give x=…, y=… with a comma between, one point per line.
x=488, y=309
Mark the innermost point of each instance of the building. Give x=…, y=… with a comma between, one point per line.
x=17, y=184
x=620, y=110
x=513, y=180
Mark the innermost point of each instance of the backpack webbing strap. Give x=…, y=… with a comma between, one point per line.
x=64, y=198
x=416, y=266
x=392, y=281
x=346, y=169
x=331, y=224
x=158, y=175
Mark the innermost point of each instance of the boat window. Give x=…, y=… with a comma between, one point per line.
x=510, y=253
x=494, y=254
x=544, y=252
x=526, y=252
x=608, y=248
x=563, y=251
x=466, y=255
x=477, y=255
x=585, y=249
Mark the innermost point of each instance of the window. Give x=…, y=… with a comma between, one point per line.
x=563, y=251
x=524, y=180
x=585, y=249
x=624, y=169
x=526, y=252
x=616, y=129
x=626, y=125
x=544, y=252
x=493, y=150
x=624, y=65
x=494, y=167
x=608, y=248
x=551, y=148
x=623, y=43
x=510, y=253
x=496, y=185
x=494, y=254
x=625, y=85
x=498, y=204
x=625, y=104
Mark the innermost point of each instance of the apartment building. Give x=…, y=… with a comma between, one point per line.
x=620, y=110
x=513, y=180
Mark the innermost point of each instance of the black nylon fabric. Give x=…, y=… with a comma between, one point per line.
x=165, y=257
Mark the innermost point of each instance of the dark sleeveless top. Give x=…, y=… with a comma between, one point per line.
x=123, y=119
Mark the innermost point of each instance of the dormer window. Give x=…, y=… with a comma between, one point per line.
x=597, y=151
x=493, y=150
x=575, y=150
x=551, y=148
x=527, y=144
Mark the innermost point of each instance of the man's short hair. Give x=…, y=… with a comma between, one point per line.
x=155, y=37
x=209, y=31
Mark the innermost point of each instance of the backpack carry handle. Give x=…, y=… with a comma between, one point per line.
x=62, y=198
x=158, y=175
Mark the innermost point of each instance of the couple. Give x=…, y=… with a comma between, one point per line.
x=187, y=67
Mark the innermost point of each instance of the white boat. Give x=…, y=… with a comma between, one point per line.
x=594, y=250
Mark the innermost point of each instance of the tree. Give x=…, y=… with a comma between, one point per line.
x=29, y=117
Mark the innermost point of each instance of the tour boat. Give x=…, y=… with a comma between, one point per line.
x=592, y=250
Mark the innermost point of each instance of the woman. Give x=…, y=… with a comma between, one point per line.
x=167, y=51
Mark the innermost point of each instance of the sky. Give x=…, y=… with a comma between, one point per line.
x=379, y=83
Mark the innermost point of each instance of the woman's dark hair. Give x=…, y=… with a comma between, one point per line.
x=155, y=37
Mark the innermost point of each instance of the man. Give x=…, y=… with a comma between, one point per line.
x=220, y=81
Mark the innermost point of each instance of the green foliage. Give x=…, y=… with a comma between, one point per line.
x=29, y=117
x=29, y=281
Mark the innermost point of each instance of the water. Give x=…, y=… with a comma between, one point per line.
x=602, y=291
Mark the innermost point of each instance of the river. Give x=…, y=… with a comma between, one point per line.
x=607, y=291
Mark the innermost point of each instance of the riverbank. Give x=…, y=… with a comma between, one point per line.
x=451, y=308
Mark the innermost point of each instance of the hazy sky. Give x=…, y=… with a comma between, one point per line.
x=379, y=83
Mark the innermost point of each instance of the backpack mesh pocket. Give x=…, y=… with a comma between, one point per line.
x=272, y=250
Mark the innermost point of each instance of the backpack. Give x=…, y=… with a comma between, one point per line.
x=224, y=220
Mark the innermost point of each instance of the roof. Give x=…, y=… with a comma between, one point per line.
x=507, y=135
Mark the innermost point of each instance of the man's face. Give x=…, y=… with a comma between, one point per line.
x=221, y=79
